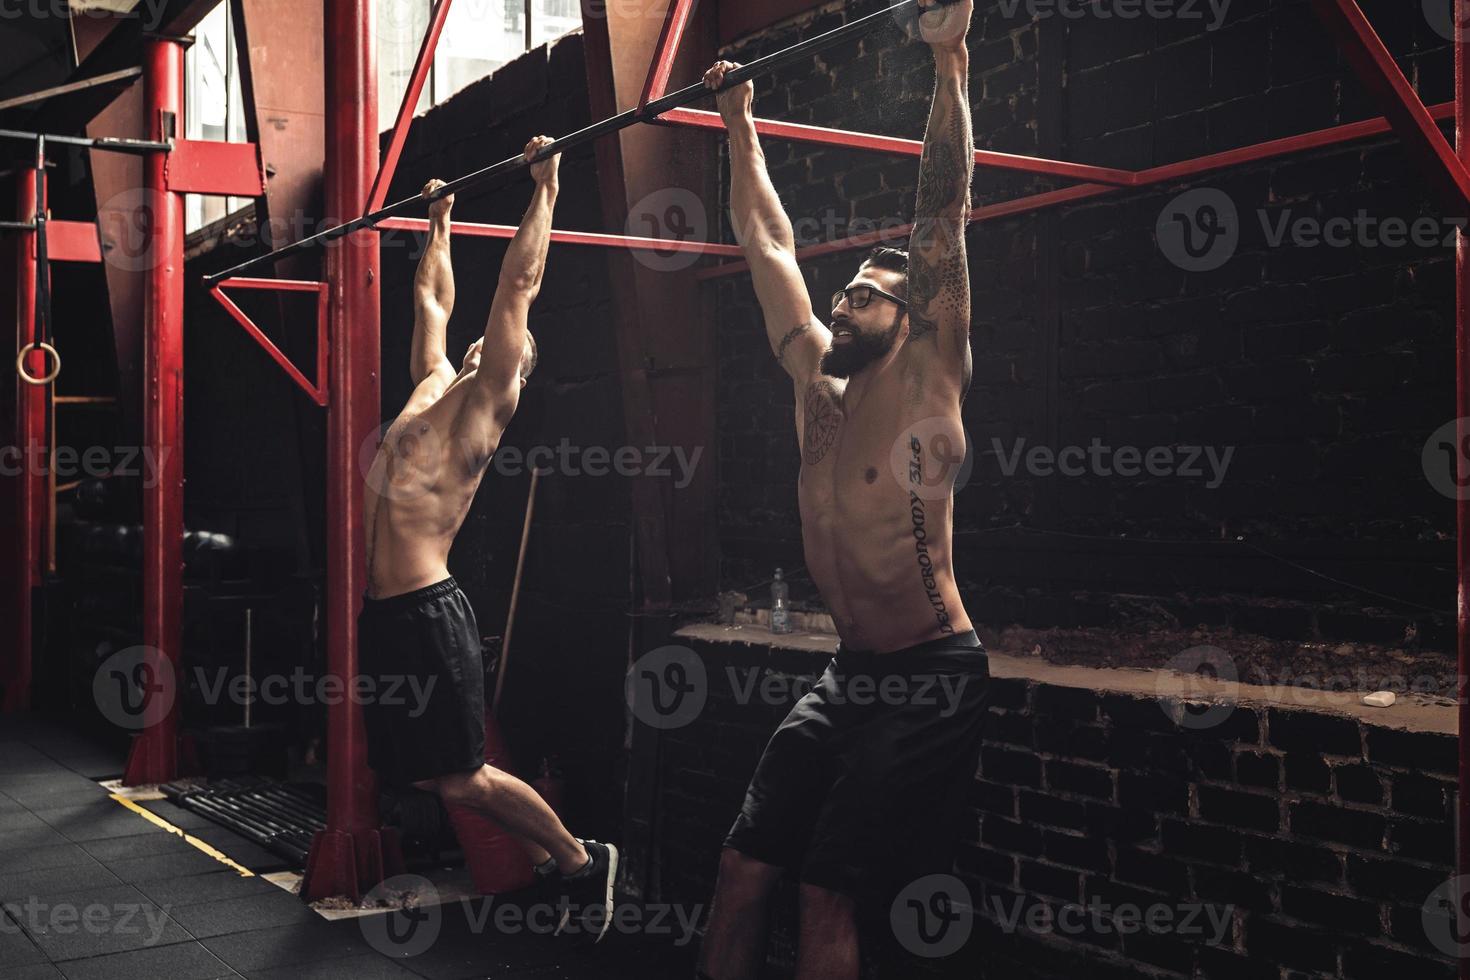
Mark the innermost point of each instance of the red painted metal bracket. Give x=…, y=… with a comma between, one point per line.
x=318, y=392
x=212, y=167
x=571, y=237
x=70, y=241
x=675, y=21
x=379, y=194
x=1381, y=75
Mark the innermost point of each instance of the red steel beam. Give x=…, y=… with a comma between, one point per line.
x=1081, y=192
x=30, y=431
x=318, y=391
x=354, y=852
x=775, y=128
x=676, y=20
x=568, y=238
x=1381, y=75
x=379, y=192
x=154, y=755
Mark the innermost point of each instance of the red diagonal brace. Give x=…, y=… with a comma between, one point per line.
x=893, y=144
x=675, y=21
x=379, y=193
x=317, y=392
x=1381, y=75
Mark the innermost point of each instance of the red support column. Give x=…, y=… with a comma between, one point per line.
x=1462, y=503
x=154, y=757
x=353, y=853
x=30, y=435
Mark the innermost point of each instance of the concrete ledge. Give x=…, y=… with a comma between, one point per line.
x=1412, y=712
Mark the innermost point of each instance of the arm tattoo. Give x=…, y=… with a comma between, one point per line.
x=938, y=272
x=796, y=331
x=823, y=410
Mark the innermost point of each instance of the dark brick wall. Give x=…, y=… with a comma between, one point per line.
x=570, y=635
x=1326, y=369
x=1315, y=840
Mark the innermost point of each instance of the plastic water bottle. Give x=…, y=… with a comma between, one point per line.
x=780, y=605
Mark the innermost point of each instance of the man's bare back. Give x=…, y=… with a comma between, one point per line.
x=423, y=477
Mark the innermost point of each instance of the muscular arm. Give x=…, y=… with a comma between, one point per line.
x=433, y=302
x=516, y=290
x=796, y=336
x=939, y=278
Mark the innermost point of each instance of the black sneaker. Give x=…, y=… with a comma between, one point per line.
x=543, y=895
x=587, y=898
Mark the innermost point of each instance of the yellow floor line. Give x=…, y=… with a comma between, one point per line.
x=213, y=852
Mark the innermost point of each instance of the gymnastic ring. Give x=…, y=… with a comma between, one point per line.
x=20, y=364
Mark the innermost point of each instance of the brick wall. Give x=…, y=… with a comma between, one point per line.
x=1281, y=842
x=1324, y=370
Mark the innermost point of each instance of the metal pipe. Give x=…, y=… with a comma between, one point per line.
x=614, y=124
x=112, y=144
x=153, y=757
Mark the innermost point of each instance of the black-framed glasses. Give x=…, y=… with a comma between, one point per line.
x=860, y=296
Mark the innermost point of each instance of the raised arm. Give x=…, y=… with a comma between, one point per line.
x=764, y=231
x=939, y=276
x=503, y=369
x=433, y=294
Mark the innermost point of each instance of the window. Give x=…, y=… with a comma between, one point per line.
x=478, y=37
x=213, y=106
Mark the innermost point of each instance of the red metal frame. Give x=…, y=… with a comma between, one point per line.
x=379, y=193
x=319, y=391
x=675, y=22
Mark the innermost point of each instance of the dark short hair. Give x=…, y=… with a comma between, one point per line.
x=894, y=260
x=535, y=355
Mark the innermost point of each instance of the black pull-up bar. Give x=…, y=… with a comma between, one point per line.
x=614, y=124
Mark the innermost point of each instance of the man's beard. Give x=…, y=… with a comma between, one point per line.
x=845, y=360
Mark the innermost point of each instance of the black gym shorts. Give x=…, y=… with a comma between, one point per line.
x=425, y=708
x=863, y=786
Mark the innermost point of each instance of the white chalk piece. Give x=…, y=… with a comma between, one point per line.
x=1380, y=699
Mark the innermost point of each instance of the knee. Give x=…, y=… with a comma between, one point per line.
x=463, y=787
x=743, y=878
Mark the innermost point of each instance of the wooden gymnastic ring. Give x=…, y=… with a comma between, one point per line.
x=20, y=364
